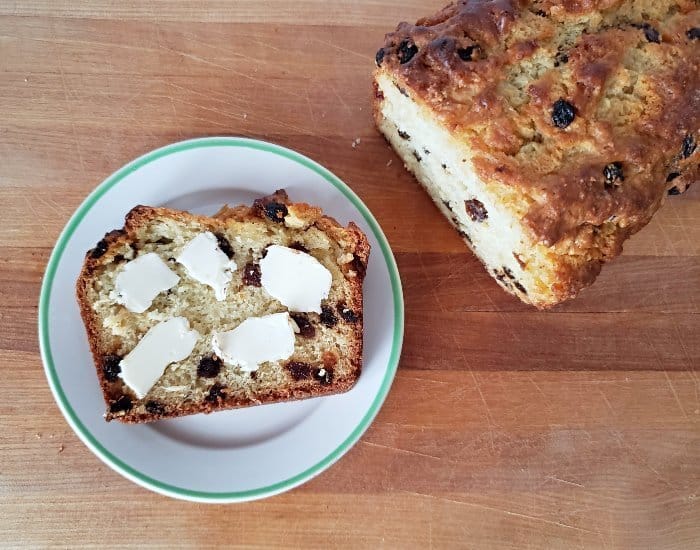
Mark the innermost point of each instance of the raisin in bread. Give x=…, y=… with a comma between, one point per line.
x=546, y=132
x=326, y=356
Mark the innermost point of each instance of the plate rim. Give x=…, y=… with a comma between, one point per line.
x=129, y=471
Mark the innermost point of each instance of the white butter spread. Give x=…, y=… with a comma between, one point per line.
x=298, y=280
x=206, y=263
x=165, y=343
x=255, y=341
x=141, y=280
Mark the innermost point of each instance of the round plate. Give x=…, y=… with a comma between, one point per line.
x=233, y=455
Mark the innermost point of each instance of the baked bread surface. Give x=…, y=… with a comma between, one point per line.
x=574, y=119
x=327, y=355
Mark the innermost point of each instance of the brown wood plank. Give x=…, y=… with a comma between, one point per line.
x=270, y=12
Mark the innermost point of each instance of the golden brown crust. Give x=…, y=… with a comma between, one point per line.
x=493, y=72
x=565, y=173
x=350, y=239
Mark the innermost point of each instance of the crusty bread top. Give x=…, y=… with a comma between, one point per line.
x=328, y=349
x=546, y=95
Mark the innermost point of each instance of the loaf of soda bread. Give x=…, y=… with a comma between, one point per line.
x=546, y=132
x=325, y=346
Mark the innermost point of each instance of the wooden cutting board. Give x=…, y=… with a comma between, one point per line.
x=505, y=428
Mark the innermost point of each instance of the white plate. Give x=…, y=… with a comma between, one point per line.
x=233, y=455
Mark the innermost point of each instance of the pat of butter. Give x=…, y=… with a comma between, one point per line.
x=165, y=343
x=206, y=263
x=298, y=280
x=256, y=340
x=142, y=280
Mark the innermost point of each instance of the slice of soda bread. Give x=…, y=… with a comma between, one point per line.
x=187, y=282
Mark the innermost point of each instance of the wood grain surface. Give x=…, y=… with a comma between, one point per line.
x=505, y=427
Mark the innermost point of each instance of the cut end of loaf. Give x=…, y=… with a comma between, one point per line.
x=327, y=356
x=490, y=226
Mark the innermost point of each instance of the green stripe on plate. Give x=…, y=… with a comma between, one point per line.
x=124, y=468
